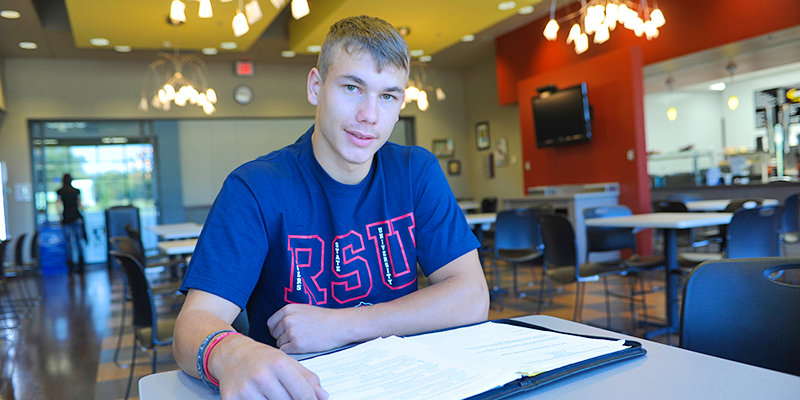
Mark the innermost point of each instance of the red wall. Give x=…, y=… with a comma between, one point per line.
x=614, y=83
x=692, y=25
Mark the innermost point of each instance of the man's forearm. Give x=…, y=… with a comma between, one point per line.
x=191, y=329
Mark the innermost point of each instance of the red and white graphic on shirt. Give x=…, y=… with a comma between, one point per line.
x=391, y=238
x=351, y=275
x=307, y=266
x=352, y=279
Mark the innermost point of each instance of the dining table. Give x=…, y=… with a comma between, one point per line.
x=185, y=230
x=178, y=247
x=670, y=223
x=469, y=205
x=719, y=204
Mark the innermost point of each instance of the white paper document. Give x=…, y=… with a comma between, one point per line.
x=452, y=364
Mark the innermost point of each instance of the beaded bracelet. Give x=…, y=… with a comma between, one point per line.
x=210, y=377
x=200, y=357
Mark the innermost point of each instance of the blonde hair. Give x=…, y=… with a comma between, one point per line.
x=364, y=34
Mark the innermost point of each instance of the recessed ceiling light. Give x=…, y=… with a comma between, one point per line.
x=314, y=48
x=525, y=10
x=719, y=86
x=210, y=51
x=28, y=45
x=99, y=42
x=228, y=45
x=417, y=53
x=166, y=44
x=288, y=54
x=404, y=31
x=467, y=38
x=9, y=14
x=507, y=5
x=426, y=58
x=123, y=49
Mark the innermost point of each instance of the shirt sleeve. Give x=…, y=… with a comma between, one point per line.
x=443, y=234
x=232, y=247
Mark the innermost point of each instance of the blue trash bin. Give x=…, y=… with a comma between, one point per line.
x=52, y=249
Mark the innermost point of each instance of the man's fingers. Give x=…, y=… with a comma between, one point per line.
x=300, y=383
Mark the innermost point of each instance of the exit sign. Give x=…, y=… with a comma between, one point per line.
x=244, y=68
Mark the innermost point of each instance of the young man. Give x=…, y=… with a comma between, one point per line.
x=320, y=241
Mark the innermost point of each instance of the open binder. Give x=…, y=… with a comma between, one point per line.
x=486, y=361
x=633, y=349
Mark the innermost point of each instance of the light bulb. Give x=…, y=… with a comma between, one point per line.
x=205, y=10
x=143, y=104
x=612, y=13
x=176, y=11
x=239, y=25
x=672, y=114
x=658, y=18
x=412, y=93
x=581, y=43
x=252, y=11
x=193, y=95
x=733, y=103
x=622, y=14
x=440, y=95
x=299, y=9
x=422, y=101
x=211, y=95
x=650, y=30
x=601, y=35
x=574, y=32
x=551, y=30
x=208, y=108
x=638, y=27
x=201, y=99
x=155, y=102
x=170, y=91
x=162, y=95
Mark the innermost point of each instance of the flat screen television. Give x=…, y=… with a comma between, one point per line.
x=562, y=117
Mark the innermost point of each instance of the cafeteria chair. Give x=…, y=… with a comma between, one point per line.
x=686, y=237
x=718, y=234
x=734, y=309
x=561, y=263
x=8, y=309
x=791, y=220
x=159, y=259
x=752, y=232
x=126, y=245
x=517, y=239
x=27, y=272
x=148, y=331
x=604, y=239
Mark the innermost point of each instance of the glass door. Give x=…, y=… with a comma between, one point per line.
x=111, y=163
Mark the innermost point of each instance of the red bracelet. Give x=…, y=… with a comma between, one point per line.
x=208, y=351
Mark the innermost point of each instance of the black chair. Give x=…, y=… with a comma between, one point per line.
x=753, y=232
x=719, y=233
x=117, y=218
x=26, y=272
x=561, y=263
x=517, y=239
x=604, y=239
x=9, y=311
x=488, y=205
x=685, y=237
x=127, y=246
x=791, y=219
x=734, y=310
x=148, y=331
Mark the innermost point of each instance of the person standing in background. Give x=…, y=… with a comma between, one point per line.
x=72, y=222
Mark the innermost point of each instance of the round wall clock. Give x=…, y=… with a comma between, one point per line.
x=243, y=94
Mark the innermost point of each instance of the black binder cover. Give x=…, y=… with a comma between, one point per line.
x=529, y=383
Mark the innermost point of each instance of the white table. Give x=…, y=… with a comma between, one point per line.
x=670, y=222
x=719, y=205
x=665, y=373
x=186, y=230
x=469, y=205
x=178, y=247
x=485, y=220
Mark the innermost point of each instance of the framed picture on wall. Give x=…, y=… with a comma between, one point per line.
x=454, y=167
x=482, y=135
x=501, y=152
x=444, y=148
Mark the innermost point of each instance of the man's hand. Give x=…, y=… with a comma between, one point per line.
x=252, y=370
x=301, y=328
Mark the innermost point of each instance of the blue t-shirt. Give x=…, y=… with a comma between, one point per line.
x=283, y=231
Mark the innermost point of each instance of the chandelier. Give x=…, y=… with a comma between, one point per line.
x=599, y=17
x=245, y=16
x=178, y=78
x=416, y=90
